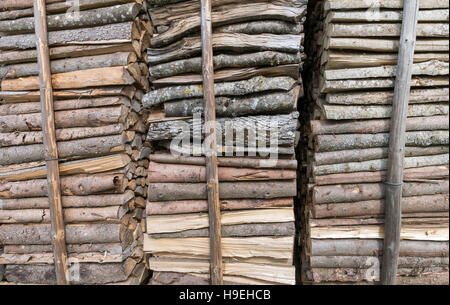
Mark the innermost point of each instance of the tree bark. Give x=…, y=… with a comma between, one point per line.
x=262, y=27
x=385, y=45
x=111, y=248
x=228, y=190
x=428, y=30
x=365, y=262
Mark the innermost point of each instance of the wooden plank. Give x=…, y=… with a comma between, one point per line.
x=397, y=140
x=50, y=148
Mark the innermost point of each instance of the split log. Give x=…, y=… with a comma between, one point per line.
x=243, y=230
x=107, y=34
x=244, y=12
x=39, y=234
x=383, y=4
x=262, y=27
x=385, y=45
x=283, y=126
x=356, y=141
x=428, y=30
x=88, y=147
x=228, y=190
x=373, y=191
x=417, y=219
x=435, y=15
x=418, y=204
x=179, y=223
x=191, y=46
x=70, y=185
x=71, y=215
x=198, y=206
x=93, y=117
x=365, y=262
x=269, y=247
x=89, y=201
x=223, y=161
x=432, y=67
x=193, y=65
x=70, y=64
x=47, y=258
x=270, y=103
x=173, y=278
x=79, y=167
x=85, y=19
x=110, y=76
x=422, y=174
x=254, y=85
x=377, y=232
x=90, y=273
x=417, y=96
x=361, y=155
x=367, y=247
x=337, y=112
x=381, y=83
x=159, y=172
x=271, y=273
x=379, y=165
x=35, y=137
x=111, y=248
x=19, y=4
x=378, y=126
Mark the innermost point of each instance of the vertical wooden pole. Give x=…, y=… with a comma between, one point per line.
x=394, y=180
x=212, y=177
x=50, y=148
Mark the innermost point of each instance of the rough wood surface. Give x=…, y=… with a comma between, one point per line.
x=385, y=45
x=385, y=4
x=365, y=262
x=428, y=30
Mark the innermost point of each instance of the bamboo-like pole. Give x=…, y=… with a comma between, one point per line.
x=212, y=176
x=394, y=179
x=50, y=148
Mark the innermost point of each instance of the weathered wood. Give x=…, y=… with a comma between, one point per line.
x=367, y=247
x=269, y=103
x=89, y=201
x=377, y=126
x=262, y=27
x=254, y=85
x=356, y=141
x=159, y=172
x=111, y=248
x=191, y=46
x=181, y=28
x=244, y=230
x=19, y=4
x=90, y=274
x=428, y=30
x=365, y=262
x=414, y=219
x=417, y=96
x=373, y=191
x=435, y=15
x=93, y=117
x=70, y=64
x=47, y=258
x=385, y=45
x=109, y=76
x=111, y=33
x=410, y=175
x=379, y=165
x=193, y=65
x=228, y=190
x=179, y=223
x=71, y=185
x=85, y=19
x=418, y=204
x=68, y=149
x=79, y=167
x=337, y=112
x=383, y=4
x=50, y=151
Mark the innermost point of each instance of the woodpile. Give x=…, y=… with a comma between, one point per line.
x=353, y=47
x=99, y=74
x=258, y=56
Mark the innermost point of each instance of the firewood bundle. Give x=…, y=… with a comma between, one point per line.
x=99, y=75
x=258, y=57
x=351, y=75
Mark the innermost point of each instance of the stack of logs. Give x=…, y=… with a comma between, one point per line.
x=99, y=76
x=258, y=56
x=354, y=47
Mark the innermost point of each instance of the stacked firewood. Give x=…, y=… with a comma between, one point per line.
x=258, y=57
x=99, y=73
x=354, y=47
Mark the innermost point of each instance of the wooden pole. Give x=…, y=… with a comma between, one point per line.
x=394, y=179
x=49, y=139
x=212, y=177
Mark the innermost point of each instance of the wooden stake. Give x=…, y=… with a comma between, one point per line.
x=50, y=149
x=394, y=180
x=212, y=177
